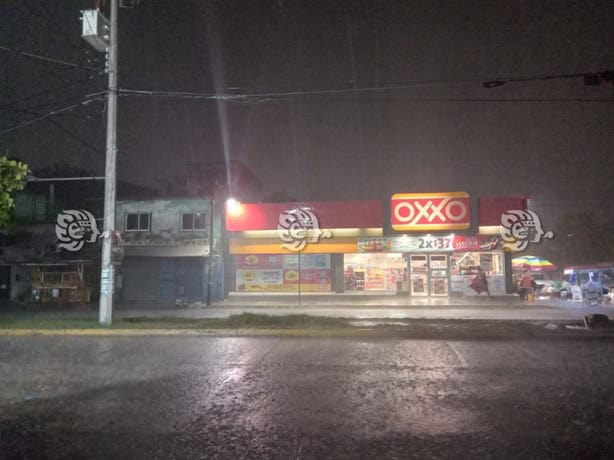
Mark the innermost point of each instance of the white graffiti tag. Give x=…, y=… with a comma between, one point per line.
x=519, y=228
x=298, y=227
x=74, y=228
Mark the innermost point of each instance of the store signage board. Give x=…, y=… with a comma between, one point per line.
x=430, y=211
x=430, y=243
x=407, y=243
x=330, y=214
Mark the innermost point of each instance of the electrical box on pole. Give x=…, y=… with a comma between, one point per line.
x=95, y=29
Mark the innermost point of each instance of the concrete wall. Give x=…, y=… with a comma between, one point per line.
x=165, y=224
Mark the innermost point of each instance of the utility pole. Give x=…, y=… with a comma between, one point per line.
x=107, y=270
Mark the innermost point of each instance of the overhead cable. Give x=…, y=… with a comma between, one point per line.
x=590, y=78
x=51, y=114
x=49, y=59
x=269, y=97
x=45, y=92
x=486, y=82
x=67, y=132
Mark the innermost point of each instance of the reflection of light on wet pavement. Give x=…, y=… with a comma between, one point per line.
x=441, y=420
x=366, y=388
x=233, y=374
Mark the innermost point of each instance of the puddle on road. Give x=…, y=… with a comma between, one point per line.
x=377, y=323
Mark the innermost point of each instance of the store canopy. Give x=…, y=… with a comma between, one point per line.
x=532, y=263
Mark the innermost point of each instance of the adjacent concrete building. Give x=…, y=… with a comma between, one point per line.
x=168, y=251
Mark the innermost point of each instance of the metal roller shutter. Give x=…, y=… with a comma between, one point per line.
x=141, y=279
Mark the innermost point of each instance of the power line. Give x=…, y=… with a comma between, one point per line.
x=51, y=114
x=178, y=94
x=57, y=102
x=49, y=59
x=45, y=92
x=590, y=78
x=486, y=82
x=265, y=97
x=66, y=131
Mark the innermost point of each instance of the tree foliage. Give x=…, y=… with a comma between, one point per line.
x=13, y=176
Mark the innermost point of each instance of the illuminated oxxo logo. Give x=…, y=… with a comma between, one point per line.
x=430, y=211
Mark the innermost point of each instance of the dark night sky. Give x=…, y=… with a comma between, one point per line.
x=431, y=132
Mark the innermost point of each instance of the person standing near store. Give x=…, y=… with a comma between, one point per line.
x=483, y=281
x=480, y=283
x=526, y=285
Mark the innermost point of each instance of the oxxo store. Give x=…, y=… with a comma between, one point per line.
x=340, y=247
x=440, y=263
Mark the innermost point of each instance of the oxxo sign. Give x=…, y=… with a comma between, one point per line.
x=430, y=211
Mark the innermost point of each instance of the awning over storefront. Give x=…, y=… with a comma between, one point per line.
x=273, y=246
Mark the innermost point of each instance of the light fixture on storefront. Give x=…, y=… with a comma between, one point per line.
x=233, y=207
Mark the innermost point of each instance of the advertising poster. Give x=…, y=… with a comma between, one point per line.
x=374, y=279
x=259, y=261
x=466, y=243
x=280, y=273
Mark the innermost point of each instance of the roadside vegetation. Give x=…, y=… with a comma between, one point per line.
x=245, y=320
x=304, y=325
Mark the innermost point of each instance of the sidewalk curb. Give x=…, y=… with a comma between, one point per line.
x=269, y=332
x=530, y=332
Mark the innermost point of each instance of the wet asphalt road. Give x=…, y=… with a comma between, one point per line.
x=207, y=397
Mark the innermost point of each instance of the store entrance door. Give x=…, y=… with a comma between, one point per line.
x=428, y=274
x=418, y=275
x=438, y=271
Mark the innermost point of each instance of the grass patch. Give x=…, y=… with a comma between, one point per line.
x=244, y=320
x=49, y=323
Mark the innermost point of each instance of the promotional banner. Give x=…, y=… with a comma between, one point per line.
x=439, y=243
x=407, y=243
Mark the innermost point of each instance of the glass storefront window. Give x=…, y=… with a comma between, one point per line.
x=374, y=272
x=464, y=267
x=467, y=263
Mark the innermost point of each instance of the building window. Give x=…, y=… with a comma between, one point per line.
x=194, y=221
x=138, y=222
x=30, y=207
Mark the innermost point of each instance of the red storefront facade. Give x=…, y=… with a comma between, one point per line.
x=422, y=246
